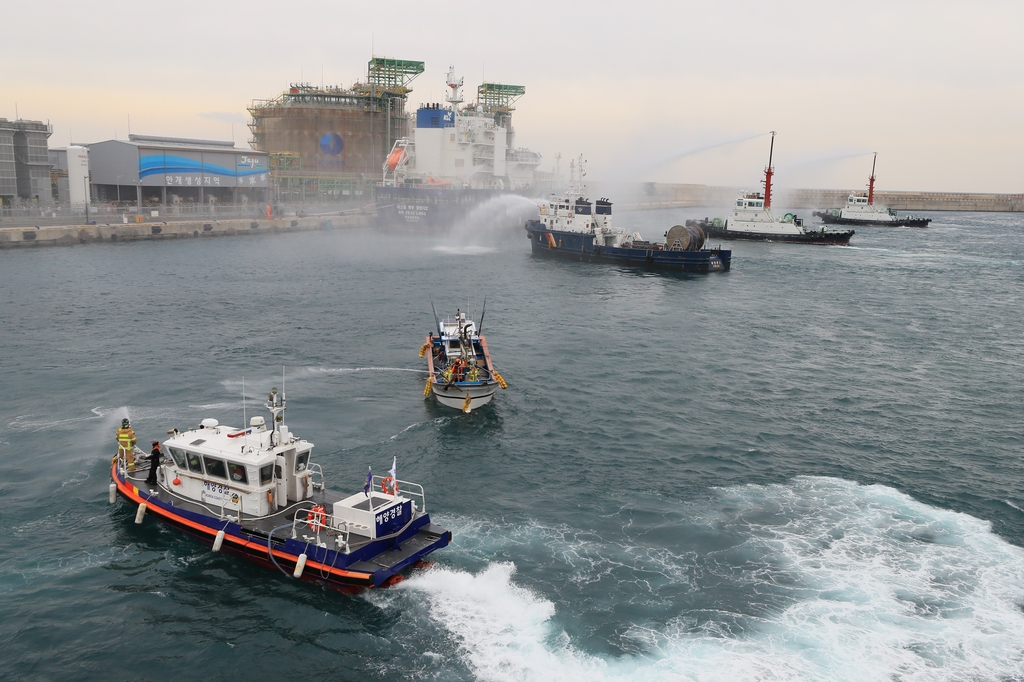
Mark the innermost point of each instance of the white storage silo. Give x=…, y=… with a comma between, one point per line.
x=78, y=176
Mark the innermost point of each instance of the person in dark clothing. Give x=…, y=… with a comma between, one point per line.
x=154, y=463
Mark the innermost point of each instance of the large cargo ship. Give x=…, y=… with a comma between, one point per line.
x=459, y=156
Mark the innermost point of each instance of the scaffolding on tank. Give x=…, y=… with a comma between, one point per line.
x=366, y=118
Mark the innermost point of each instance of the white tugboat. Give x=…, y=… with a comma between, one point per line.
x=752, y=219
x=256, y=493
x=861, y=209
x=461, y=374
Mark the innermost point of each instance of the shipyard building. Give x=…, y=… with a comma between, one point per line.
x=329, y=143
x=170, y=171
x=25, y=163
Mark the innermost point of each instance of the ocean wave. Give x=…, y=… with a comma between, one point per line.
x=32, y=422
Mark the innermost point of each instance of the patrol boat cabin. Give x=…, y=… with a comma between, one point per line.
x=257, y=493
x=252, y=471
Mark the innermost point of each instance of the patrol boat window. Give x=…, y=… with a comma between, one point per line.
x=237, y=472
x=266, y=474
x=179, y=457
x=301, y=461
x=195, y=463
x=215, y=467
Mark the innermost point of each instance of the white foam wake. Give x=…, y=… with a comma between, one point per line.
x=854, y=583
x=348, y=370
x=410, y=427
x=503, y=631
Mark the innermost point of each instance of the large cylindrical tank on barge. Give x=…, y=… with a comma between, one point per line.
x=685, y=238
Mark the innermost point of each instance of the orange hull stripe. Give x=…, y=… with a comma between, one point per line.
x=132, y=493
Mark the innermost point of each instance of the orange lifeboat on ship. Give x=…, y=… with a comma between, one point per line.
x=395, y=158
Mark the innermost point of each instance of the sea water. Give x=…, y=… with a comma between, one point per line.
x=807, y=468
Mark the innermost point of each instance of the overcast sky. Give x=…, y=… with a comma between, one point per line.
x=657, y=91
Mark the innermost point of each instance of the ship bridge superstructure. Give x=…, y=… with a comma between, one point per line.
x=465, y=145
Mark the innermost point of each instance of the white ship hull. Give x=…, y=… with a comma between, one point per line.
x=455, y=395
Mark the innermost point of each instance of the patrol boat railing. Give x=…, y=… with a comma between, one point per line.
x=122, y=459
x=314, y=469
x=407, y=489
x=327, y=524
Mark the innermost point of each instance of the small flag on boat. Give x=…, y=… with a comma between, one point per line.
x=394, y=476
x=369, y=481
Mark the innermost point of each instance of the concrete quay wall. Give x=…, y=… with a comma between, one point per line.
x=27, y=237
x=908, y=201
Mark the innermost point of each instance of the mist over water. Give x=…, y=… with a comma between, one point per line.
x=488, y=225
x=807, y=468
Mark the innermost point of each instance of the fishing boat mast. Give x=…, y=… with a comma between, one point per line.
x=768, y=175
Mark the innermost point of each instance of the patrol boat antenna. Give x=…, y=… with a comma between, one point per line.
x=768, y=175
x=277, y=408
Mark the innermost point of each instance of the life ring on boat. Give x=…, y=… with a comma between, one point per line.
x=315, y=517
x=388, y=481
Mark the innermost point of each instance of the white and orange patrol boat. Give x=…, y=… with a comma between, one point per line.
x=256, y=493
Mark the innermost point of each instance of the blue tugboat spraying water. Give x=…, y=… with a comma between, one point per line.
x=571, y=227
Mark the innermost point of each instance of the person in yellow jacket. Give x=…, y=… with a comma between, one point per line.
x=126, y=443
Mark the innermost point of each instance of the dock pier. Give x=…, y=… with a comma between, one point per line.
x=66, y=235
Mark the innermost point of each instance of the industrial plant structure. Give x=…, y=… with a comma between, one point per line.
x=25, y=162
x=329, y=143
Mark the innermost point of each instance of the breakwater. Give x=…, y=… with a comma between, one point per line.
x=66, y=235
x=666, y=195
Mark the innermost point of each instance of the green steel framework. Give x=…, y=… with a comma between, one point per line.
x=392, y=76
x=498, y=99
